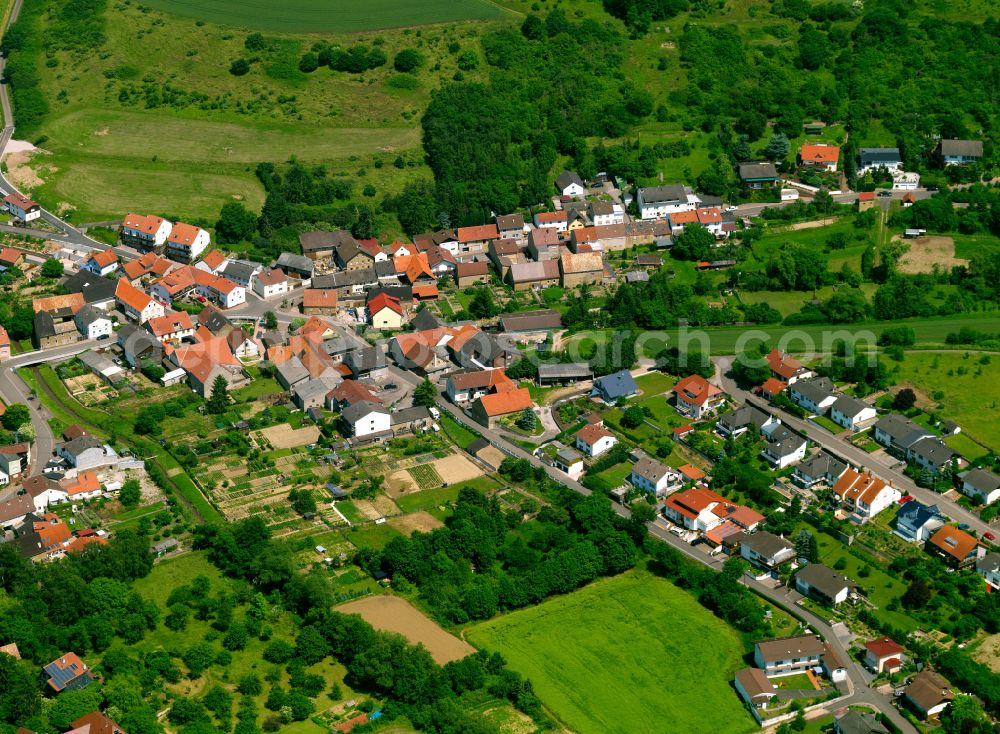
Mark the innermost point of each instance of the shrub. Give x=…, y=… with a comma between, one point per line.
x=240, y=67
x=407, y=60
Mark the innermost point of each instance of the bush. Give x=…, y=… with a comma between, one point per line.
x=240, y=67
x=408, y=60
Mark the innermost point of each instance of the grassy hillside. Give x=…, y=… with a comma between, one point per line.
x=625, y=654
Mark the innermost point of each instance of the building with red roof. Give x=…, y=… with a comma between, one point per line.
x=489, y=409
x=385, y=312
x=594, y=439
x=819, y=156
x=884, y=655
x=696, y=397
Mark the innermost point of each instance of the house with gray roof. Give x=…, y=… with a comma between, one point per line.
x=615, y=387
x=241, y=272
x=310, y=393
x=898, y=433
x=97, y=291
x=766, y=551
x=784, y=446
x=873, y=158
x=366, y=419
x=858, y=722
x=569, y=183
x=739, y=421
x=932, y=453
x=408, y=419
x=298, y=266
x=86, y=452
x=982, y=485
x=139, y=346
x=655, y=477
x=959, y=152
x=757, y=175
x=822, y=467
x=815, y=395
x=291, y=372
x=564, y=373
x=658, y=202
x=823, y=584
x=368, y=362
x=852, y=413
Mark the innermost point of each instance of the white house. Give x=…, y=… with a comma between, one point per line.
x=815, y=395
x=766, y=551
x=784, y=447
x=21, y=208
x=559, y=221
x=960, y=152
x=989, y=568
x=917, y=522
x=135, y=304
x=823, y=584
x=865, y=495
x=659, y=202
x=651, y=476
x=101, y=263
x=736, y=423
x=147, y=233
x=570, y=184
x=874, y=158
x=171, y=327
x=593, y=440
x=851, y=413
x=86, y=452
x=605, y=213
x=186, y=242
x=366, y=418
x=271, y=284
x=788, y=655
x=93, y=323
x=982, y=485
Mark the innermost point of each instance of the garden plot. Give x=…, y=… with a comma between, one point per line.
x=286, y=437
x=422, y=521
x=375, y=508
x=399, y=483
x=456, y=468
x=89, y=389
x=926, y=252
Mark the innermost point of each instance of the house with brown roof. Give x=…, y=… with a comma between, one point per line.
x=95, y=723
x=470, y=273
x=696, y=397
x=864, y=495
x=788, y=655
x=474, y=240
x=205, y=361
x=955, y=547
x=511, y=227
x=819, y=156
x=928, y=694
x=136, y=304
x=593, y=440
x=9, y=258
x=54, y=322
x=319, y=302
x=145, y=233
x=271, y=284
x=4, y=345
x=544, y=244
x=785, y=368
x=582, y=267
x=489, y=409
x=68, y=673
x=464, y=386
x=348, y=393
x=754, y=687
x=171, y=327
x=884, y=655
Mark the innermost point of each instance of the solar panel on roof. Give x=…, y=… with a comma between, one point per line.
x=61, y=676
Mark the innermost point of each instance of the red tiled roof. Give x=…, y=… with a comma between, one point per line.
x=426, y=291
x=503, y=403
x=131, y=296
x=591, y=433
x=709, y=216
x=773, y=386
x=884, y=647
x=684, y=217
x=956, y=543
x=73, y=301
x=213, y=259
x=781, y=364
x=866, y=196
x=855, y=486
x=695, y=390
x=272, y=277
x=477, y=234
x=383, y=301
x=183, y=234
x=820, y=153
x=551, y=217
x=85, y=481
x=170, y=323
x=141, y=223
x=104, y=258
x=319, y=298
x=691, y=472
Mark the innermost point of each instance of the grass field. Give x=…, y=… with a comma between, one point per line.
x=626, y=654
x=969, y=391
x=316, y=16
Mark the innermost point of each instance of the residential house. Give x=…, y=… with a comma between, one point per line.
x=864, y=495
x=566, y=460
x=4, y=344
x=68, y=673
x=93, y=323
x=928, y=694
x=822, y=467
x=884, y=655
x=696, y=397
x=819, y=156
x=171, y=327
x=558, y=221
x=510, y=227
x=15, y=462
x=788, y=655
x=21, y=208
x=982, y=485
x=544, y=244
x=659, y=202
x=102, y=366
x=737, y=422
x=135, y=304
x=213, y=261
x=766, y=551
x=898, y=433
x=708, y=217
x=833, y=664
x=959, y=152
x=758, y=175
x=385, y=313
x=531, y=322
x=871, y=159
x=185, y=243
x=654, y=477
x=242, y=272
x=290, y=372
x=933, y=454
x=989, y=568
x=823, y=584
x=96, y=722
x=349, y=392
x=9, y=258
x=852, y=413
x=96, y=291
x=316, y=302
x=755, y=688
x=145, y=233
x=955, y=547
x=605, y=213
x=152, y=265
x=367, y=362
x=858, y=722
x=570, y=184
x=815, y=395
x=464, y=386
x=695, y=509
x=271, y=284
x=350, y=255
x=593, y=440
x=473, y=240
x=542, y=274
x=102, y=263
x=205, y=362
x=139, y=347
x=242, y=344
x=471, y=273
x=86, y=452
x=489, y=409
x=366, y=418
x=917, y=522
x=446, y=239
x=612, y=388
x=787, y=369
x=84, y=486
x=784, y=446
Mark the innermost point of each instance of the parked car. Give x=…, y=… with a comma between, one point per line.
x=989, y=536
x=905, y=498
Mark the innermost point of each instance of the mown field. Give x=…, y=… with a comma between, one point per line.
x=631, y=653
x=316, y=16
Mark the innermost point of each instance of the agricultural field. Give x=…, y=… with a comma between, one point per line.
x=602, y=658
x=957, y=386
x=393, y=614
x=346, y=16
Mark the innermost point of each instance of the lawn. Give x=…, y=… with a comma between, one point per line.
x=616, y=475
x=426, y=499
x=168, y=574
x=961, y=389
x=372, y=536
x=655, y=383
x=458, y=433
x=823, y=422
x=312, y=16
x=625, y=654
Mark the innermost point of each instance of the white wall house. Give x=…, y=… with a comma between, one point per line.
x=22, y=208
x=146, y=232
x=594, y=440
x=135, y=304
x=270, y=284
x=365, y=419
x=659, y=202
x=851, y=413
x=982, y=485
x=93, y=323
x=101, y=263
x=651, y=476
x=185, y=243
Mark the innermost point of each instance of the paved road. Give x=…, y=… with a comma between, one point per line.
x=859, y=691
x=14, y=390
x=882, y=464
